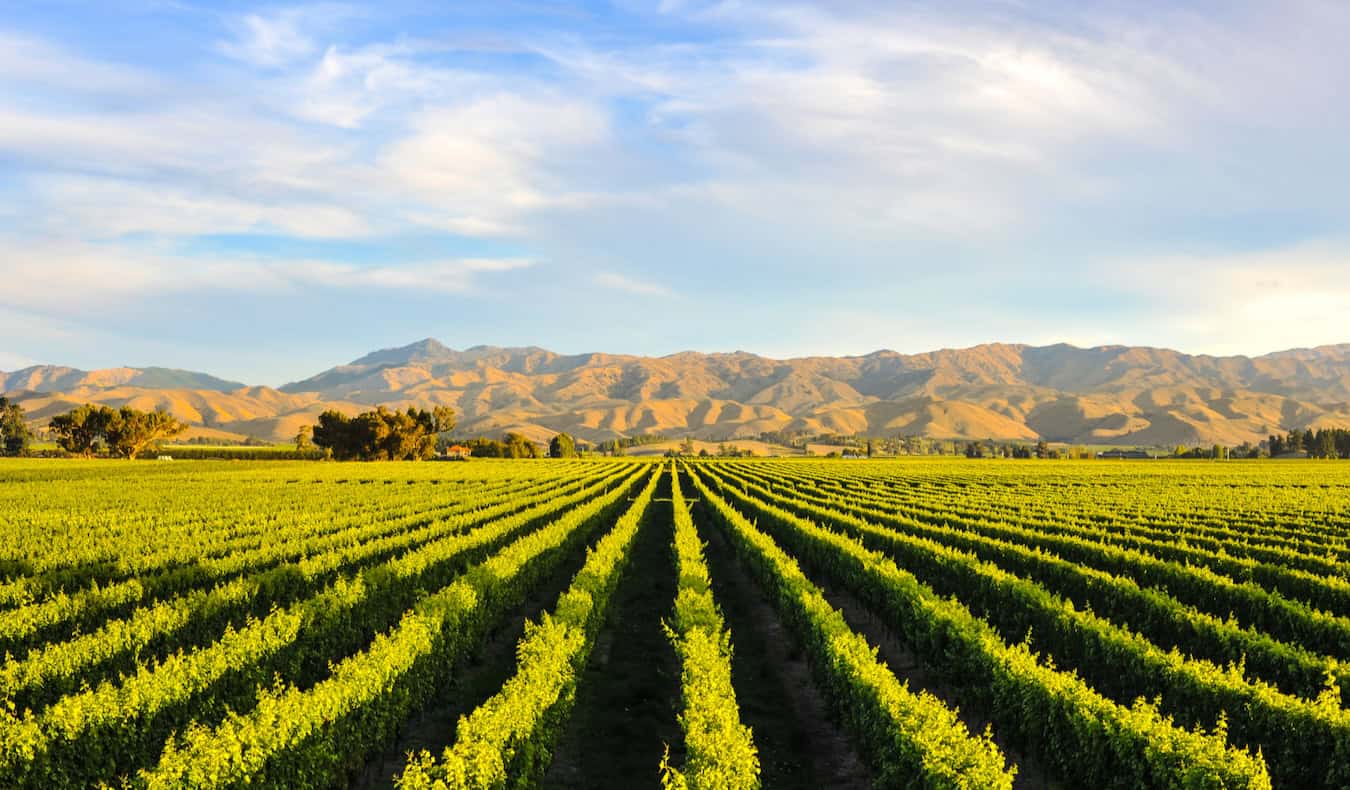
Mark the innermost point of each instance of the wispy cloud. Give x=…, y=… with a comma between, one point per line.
x=621, y=282
x=456, y=276
x=72, y=274
x=281, y=37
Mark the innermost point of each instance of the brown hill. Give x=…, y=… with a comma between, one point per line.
x=1105, y=395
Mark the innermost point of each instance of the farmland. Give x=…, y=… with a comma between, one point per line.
x=632, y=623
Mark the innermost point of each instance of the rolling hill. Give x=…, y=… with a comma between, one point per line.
x=1106, y=395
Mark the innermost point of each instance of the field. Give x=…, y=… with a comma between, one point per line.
x=790, y=623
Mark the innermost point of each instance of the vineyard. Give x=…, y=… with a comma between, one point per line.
x=724, y=624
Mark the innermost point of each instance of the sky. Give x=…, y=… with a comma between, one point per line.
x=263, y=191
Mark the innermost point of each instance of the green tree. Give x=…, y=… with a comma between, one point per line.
x=1042, y=449
x=518, y=446
x=331, y=433
x=80, y=430
x=304, y=438
x=383, y=434
x=486, y=448
x=442, y=419
x=1325, y=444
x=562, y=446
x=14, y=431
x=131, y=431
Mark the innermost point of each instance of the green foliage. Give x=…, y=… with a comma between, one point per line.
x=305, y=736
x=562, y=445
x=124, y=432
x=131, y=432
x=518, y=446
x=506, y=741
x=913, y=739
x=1084, y=735
x=721, y=751
x=80, y=430
x=15, y=435
x=381, y=434
x=1291, y=733
x=274, y=624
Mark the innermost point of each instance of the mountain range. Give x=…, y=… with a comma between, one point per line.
x=1120, y=395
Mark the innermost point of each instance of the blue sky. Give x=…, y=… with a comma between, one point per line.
x=263, y=191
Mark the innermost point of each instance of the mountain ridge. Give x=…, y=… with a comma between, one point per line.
x=1115, y=394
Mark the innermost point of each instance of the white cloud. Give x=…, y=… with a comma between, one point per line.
x=621, y=282
x=65, y=275
x=12, y=362
x=280, y=37
x=455, y=276
x=1241, y=302
x=479, y=167
x=103, y=208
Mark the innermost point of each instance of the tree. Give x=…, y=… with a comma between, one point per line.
x=483, y=447
x=131, y=431
x=562, y=446
x=442, y=419
x=331, y=433
x=1325, y=445
x=80, y=430
x=1042, y=449
x=518, y=446
x=382, y=434
x=126, y=432
x=303, y=438
x=14, y=431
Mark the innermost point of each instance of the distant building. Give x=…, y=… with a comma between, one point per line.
x=1121, y=455
x=457, y=451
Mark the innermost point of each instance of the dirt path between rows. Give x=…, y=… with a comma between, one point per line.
x=629, y=695
x=800, y=745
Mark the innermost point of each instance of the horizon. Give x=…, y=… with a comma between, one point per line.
x=250, y=189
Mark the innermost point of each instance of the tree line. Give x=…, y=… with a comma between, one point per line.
x=1323, y=443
